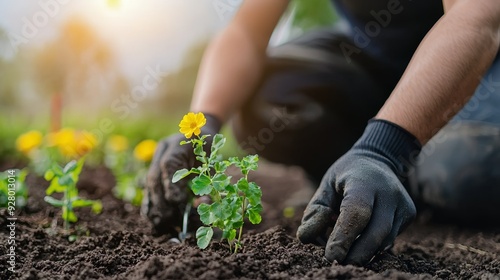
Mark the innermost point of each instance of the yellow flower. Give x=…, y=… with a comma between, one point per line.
x=28, y=141
x=85, y=142
x=145, y=150
x=72, y=143
x=117, y=143
x=192, y=123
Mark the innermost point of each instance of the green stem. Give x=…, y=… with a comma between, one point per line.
x=243, y=208
x=66, y=203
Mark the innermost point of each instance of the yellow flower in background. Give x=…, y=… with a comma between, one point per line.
x=117, y=143
x=85, y=142
x=72, y=143
x=28, y=141
x=192, y=124
x=145, y=150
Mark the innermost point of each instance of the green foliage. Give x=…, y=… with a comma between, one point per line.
x=129, y=175
x=13, y=189
x=63, y=180
x=231, y=203
x=309, y=14
x=128, y=188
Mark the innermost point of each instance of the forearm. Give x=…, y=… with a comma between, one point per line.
x=230, y=70
x=234, y=62
x=446, y=69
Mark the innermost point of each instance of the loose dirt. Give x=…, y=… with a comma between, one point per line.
x=119, y=244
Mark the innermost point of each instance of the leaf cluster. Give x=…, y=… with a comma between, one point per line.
x=18, y=178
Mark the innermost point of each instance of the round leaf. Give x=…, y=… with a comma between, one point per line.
x=201, y=185
x=203, y=236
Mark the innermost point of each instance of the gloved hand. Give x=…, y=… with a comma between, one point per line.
x=362, y=197
x=164, y=202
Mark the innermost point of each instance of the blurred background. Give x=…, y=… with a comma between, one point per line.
x=123, y=67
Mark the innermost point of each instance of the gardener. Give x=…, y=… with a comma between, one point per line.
x=306, y=103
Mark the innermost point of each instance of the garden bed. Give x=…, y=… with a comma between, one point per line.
x=120, y=243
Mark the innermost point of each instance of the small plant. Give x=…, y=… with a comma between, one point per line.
x=12, y=184
x=231, y=203
x=129, y=170
x=63, y=180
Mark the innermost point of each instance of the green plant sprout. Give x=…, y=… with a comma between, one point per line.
x=231, y=203
x=129, y=170
x=13, y=186
x=63, y=180
x=128, y=177
x=128, y=188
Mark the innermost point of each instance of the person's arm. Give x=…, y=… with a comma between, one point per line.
x=233, y=63
x=362, y=194
x=446, y=69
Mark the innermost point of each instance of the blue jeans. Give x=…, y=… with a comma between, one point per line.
x=313, y=104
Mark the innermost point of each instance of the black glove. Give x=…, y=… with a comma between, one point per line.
x=164, y=202
x=362, y=196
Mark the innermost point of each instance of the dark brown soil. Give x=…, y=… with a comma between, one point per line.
x=118, y=244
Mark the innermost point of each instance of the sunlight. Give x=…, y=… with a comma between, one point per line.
x=114, y=3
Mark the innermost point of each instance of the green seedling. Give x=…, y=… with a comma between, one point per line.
x=231, y=203
x=13, y=189
x=63, y=180
x=128, y=188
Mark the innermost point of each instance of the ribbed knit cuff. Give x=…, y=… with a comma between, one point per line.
x=392, y=142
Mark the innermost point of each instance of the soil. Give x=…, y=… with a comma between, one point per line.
x=119, y=244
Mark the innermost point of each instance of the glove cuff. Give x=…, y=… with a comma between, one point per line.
x=212, y=126
x=392, y=142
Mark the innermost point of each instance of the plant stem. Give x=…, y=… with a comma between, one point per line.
x=243, y=208
x=66, y=203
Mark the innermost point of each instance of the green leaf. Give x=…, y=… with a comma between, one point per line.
x=22, y=174
x=69, y=215
x=203, y=236
x=236, y=220
x=217, y=143
x=54, y=202
x=229, y=234
x=201, y=185
x=221, y=166
x=243, y=185
x=222, y=211
x=76, y=172
x=231, y=188
x=195, y=170
x=54, y=187
x=249, y=163
x=184, y=142
x=97, y=207
x=198, y=150
x=66, y=180
x=234, y=160
x=70, y=166
x=58, y=171
x=206, y=215
x=180, y=174
x=201, y=159
x=253, y=213
x=254, y=193
x=49, y=175
x=220, y=181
